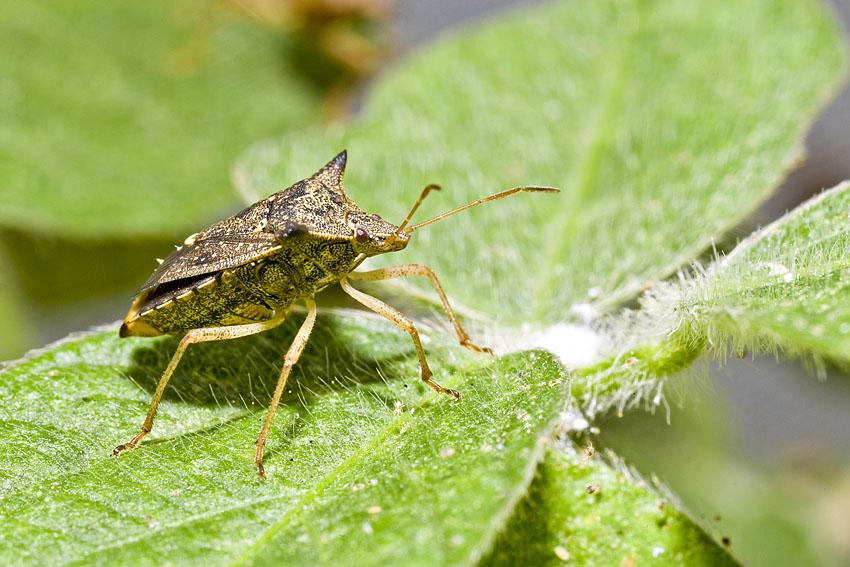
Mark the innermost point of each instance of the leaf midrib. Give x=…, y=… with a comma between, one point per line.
x=599, y=132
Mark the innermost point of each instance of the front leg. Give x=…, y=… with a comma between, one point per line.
x=405, y=325
x=422, y=270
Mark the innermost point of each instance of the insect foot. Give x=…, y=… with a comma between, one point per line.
x=258, y=460
x=131, y=444
x=442, y=389
x=453, y=393
x=425, y=375
x=475, y=348
x=121, y=448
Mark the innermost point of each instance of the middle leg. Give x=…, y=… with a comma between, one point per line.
x=422, y=270
x=405, y=325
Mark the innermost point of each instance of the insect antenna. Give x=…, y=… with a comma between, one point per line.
x=475, y=203
x=428, y=189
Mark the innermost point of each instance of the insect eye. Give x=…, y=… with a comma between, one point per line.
x=360, y=234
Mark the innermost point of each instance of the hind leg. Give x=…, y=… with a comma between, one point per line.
x=292, y=356
x=191, y=337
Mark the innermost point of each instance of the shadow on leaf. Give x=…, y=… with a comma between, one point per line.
x=338, y=356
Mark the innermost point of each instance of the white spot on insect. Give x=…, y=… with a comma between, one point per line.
x=185, y=294
x=159, y=260
x=190, y=240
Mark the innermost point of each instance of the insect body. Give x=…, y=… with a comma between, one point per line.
x=239, y=276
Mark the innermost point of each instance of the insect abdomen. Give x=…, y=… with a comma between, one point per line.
x=214, y=300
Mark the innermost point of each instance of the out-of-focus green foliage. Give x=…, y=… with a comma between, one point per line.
x=121, y=120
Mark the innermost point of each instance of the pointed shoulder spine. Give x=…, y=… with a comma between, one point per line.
x=338, y=162
x=333, y=171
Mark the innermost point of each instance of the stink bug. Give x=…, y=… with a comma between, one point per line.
x=239, y=276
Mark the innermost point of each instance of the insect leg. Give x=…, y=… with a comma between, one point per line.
x=193, y=336
x=421, y=270
x=292, y=355
x=405, y=325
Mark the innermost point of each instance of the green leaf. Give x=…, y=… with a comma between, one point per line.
x=663, y=123
x=131, y=131
x=364, y=462
x=583, y=511
x=785, y=287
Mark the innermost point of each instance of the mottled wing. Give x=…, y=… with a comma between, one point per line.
x=314, y=206
x=212, y=254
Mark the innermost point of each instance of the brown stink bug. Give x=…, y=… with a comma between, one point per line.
x=239, y=276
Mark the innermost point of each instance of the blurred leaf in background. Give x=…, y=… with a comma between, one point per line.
x=120, y=122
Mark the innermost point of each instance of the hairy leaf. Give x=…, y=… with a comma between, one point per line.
x=364, y=463
x=663, y=123
x=582, y=510
x=787, y=286
x=121, y=119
